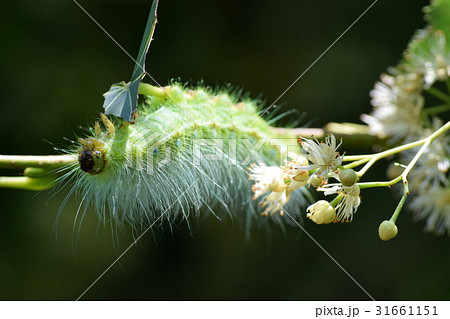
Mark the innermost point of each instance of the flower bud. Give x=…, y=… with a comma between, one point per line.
x=387, y=230
x=316, y=181
x=321, y=212
x=348, y=177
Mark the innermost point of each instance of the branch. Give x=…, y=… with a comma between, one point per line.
x=354, y=135
x=44, y=161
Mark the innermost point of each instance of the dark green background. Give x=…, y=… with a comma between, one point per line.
x=56, y=63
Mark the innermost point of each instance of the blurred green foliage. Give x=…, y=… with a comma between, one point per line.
x=56, y=64
x=438, y=14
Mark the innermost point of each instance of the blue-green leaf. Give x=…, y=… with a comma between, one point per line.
x=139, y=67
x=119, y=102
x=121, y=99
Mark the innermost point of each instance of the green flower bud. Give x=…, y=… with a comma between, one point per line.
x=321, y=212
x=348, y=177
x=316, y=181
x=387, y=230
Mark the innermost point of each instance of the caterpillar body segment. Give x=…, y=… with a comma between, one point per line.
x=186, y=155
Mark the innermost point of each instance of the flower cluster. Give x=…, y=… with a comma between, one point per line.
x=399, y=113
x=323, y=161
x=428, y=56
x=398, y=99
x=275, y=184
x=430, y=186
x=397, y=103
x=327, y=164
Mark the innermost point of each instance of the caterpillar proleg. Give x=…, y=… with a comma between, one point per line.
x=187, y=154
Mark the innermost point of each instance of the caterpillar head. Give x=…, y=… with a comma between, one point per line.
x=91, y=155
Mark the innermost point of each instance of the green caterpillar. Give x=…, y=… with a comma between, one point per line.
x=186, y=155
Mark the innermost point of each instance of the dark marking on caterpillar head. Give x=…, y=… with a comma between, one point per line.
x=91, y=161
x=90, y=156
x=86, y=161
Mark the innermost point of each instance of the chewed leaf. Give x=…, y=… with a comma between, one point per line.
x=120, y=101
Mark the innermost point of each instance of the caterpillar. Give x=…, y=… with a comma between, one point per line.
x=185, y=156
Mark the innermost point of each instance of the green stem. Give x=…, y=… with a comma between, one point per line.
x=147, y=89
x=336, y=200
x=416, y=158
x=28, y=183
x=354, y=135
x=375, y=157
x=439, y=94
x=426, y=142
x=447, y=83
x=380, y=184
x=349, y=158
x=371, y=159
x=399, y=208
x=436, y=109
x=41, y=172
x=45, y=161
x=403, y=176
x=296, y=132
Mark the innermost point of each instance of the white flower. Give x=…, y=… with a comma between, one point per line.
x=295, y=176
x=429, y=182
x=397, y=102
x=398, y=99
x=428, y=54
x=274, y=202
x=275, y=184
x=431, y=170
x=349, y=200
x=433, y=206
x=267, y=178
x=270, y=183
x=323, y=156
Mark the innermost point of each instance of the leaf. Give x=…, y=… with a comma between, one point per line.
x=121, y=99
x=139, y=67
x=119, y=102
x=438, y=15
